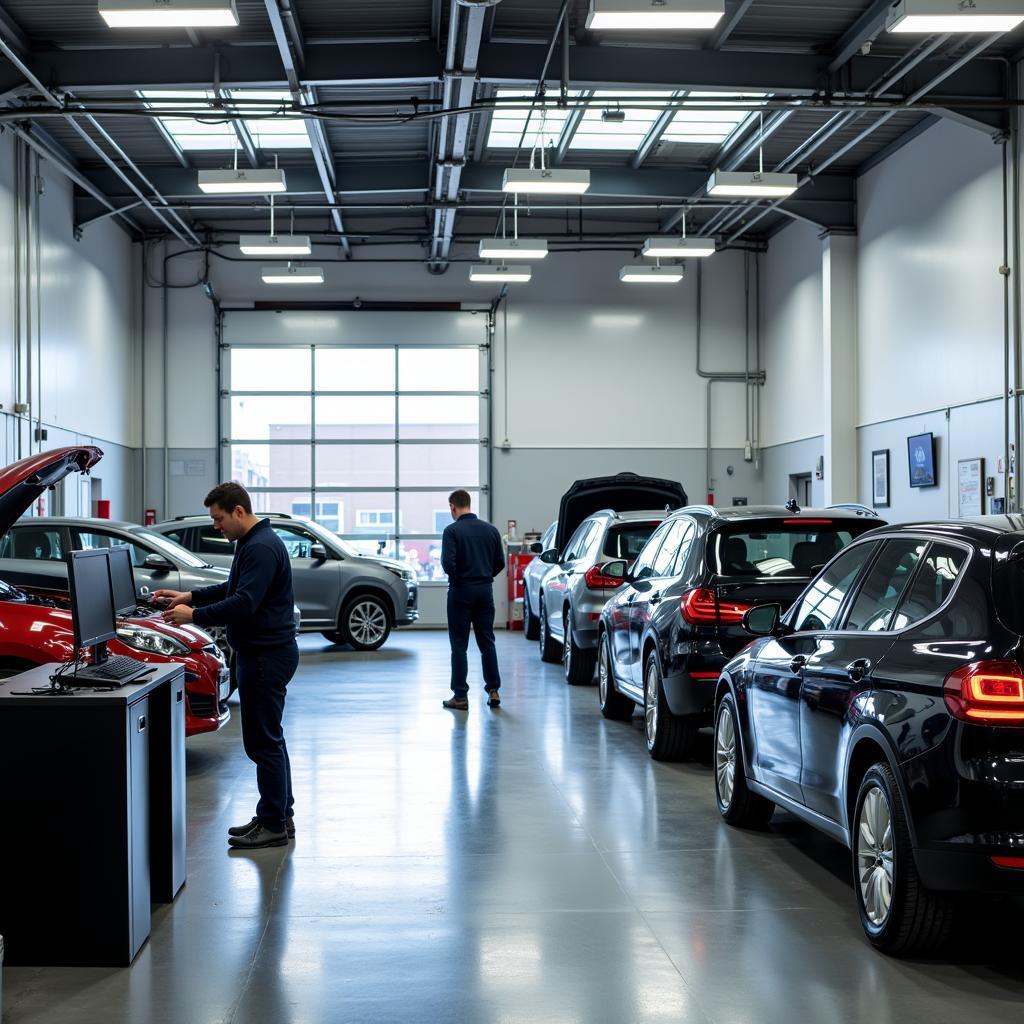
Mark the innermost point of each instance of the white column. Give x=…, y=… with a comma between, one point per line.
x=839, y=365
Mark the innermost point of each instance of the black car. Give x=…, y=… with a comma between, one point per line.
x=664, y=638
x=887, y=709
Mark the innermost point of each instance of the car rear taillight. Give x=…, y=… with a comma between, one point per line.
x=596, y=580
x=1008, y=862
x=701, y=607
x=987, y=693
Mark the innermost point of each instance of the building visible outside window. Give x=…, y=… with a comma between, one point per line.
x=369, y=442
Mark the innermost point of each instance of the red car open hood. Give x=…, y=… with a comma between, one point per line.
x=23, y=481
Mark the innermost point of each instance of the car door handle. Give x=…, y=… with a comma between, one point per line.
x=858, y=669
x=798, y=663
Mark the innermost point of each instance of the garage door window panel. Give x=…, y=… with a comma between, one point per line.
x=451, y=465
x=271, y=369
x=355, y=369
x=439, y=369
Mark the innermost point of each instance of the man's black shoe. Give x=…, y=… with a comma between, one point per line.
x=244, y=830
x=258, y=838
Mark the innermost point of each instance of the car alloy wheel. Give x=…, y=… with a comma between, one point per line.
x=602, y=674
x=725, y=757
x=875, y=855
x=367, y=623
x=651, y=703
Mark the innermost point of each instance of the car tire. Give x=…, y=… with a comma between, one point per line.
x=614, y=705
x=669, y=737
x=550, y=650
x=577, y=662
x=736, y=803
x=365, y=622
x=531, y=626
x=898, y=914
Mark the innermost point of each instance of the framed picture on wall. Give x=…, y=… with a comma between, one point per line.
x=970, y=487
x=880, y=478
x=921, y=456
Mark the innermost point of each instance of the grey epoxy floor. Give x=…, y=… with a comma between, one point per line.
x=530, y=864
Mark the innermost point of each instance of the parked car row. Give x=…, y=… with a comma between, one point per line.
x=867, y=678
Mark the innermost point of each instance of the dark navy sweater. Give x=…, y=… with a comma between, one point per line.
x=471, y=550
x=256, y=603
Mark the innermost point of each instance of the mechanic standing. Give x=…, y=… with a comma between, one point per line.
x=256, y=604
x=472, y=556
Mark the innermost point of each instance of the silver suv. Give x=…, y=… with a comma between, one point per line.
x=575, y=591
x=348, y=597
x=33, y=556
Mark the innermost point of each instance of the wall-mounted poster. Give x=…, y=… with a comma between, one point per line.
x=880, y=478
x=971, y=487
x=921, y=455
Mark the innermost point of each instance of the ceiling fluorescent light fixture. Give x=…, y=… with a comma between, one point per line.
x=513, y=248
x=546, y=181
x=293, y=275
x=752, y=184
x=168, y=13
x=654, y=14
x=678, y=248
x=941, y=16
x=244, y=181
x=485, y=272
x=275, y=245
x=640, y=274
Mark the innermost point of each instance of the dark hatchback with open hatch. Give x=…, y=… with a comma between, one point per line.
x=886, y=708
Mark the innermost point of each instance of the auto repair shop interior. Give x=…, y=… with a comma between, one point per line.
x=714, y=309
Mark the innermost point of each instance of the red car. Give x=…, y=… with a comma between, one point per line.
x=36, y=627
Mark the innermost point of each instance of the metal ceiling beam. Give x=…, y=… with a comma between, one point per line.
x=653, y=136
x=413, y=64
x=465, y=34
x=727, y=25
x=862, y=31
x=290, y=50
x=16, y=38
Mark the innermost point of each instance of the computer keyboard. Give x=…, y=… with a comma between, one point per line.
x=118, y=668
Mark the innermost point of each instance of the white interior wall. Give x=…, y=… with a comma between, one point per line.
x=930, y=320
x=85, y=337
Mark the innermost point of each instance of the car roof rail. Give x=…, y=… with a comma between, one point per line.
x=854, y=506
x=710, y=509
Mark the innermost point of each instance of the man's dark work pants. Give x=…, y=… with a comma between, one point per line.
x=263, y=676
x=472, y=604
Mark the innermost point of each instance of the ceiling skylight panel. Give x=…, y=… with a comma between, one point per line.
x=618, y=124
x=187, y=132
x=545, y=126
x=708, y=126
x=275, y=132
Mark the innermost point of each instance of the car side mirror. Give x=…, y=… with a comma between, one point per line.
x=550, y=557
x=616, y=570
x=318, y=552
x=157, y=563
x=762, y=620
x=536, y=548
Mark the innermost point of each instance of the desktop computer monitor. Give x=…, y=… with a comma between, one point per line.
x=92, y=600
x=122, y=580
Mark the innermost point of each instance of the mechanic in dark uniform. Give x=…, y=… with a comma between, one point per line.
x=472, y=556
x=257, y=606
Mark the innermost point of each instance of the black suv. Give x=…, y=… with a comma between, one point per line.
x=887, y=709
x=664, y=638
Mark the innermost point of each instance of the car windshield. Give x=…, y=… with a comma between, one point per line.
x=175, y=552
x=627, y=541
x=331, y=538
x=780, y=548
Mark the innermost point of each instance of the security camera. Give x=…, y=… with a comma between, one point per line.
x=357, y=303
